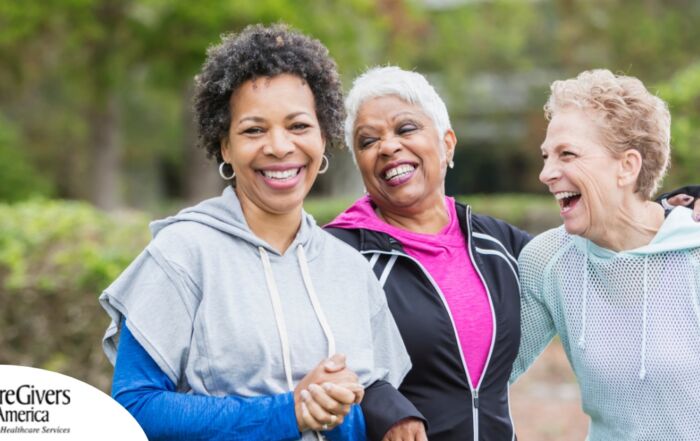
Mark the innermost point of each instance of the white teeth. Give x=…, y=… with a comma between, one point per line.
x=565, y=194
x=399, y=170
x=281, y=174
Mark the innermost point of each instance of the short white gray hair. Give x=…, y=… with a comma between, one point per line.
x=411, y=87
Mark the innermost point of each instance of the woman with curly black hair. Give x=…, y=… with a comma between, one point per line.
x=231, y=321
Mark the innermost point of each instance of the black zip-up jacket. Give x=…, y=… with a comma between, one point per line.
x=438, y=384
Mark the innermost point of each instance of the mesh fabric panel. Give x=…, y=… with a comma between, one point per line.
x=630, y=326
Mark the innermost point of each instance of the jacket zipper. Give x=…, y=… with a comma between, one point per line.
x=474, y=390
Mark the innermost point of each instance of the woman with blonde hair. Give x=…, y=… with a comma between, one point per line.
x=619, y=281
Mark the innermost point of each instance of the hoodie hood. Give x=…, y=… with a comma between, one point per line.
x=224, y=214
x=678, y=232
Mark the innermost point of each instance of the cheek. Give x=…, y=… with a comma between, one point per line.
x=364, y=163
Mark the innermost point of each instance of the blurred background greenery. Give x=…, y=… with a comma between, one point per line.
x=96, y=133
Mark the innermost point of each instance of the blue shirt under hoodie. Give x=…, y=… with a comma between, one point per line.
x=223, y=314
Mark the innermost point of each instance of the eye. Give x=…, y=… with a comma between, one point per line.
x=407, y=127
x=364, y=142
x=567, y=153
x=544, y=156
x=299, y=126
x=254, y=130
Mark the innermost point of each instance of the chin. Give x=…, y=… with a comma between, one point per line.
x=576, y=228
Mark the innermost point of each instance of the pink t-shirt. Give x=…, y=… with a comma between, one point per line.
x=460, y=284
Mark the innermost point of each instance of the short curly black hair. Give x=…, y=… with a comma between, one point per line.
x=265, y=51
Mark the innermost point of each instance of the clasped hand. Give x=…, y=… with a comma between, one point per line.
x=323, y=397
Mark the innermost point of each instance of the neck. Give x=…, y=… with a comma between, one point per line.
x=279, y=230
x=430, y=221
x=634, y=225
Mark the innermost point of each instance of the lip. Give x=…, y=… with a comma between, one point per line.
x=566, y=212
x=286, y=184
x=398, y=180
x=395, y=164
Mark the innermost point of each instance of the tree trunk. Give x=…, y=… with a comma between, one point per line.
x=202, y=180
x=105, y=153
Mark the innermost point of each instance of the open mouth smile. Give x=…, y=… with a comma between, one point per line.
x=398, y=174
x=567, y=200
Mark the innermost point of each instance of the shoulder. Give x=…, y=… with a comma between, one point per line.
x=491, y=229
x=544, y=248
x=351, y=237
x=184, y=245
x=343, y=246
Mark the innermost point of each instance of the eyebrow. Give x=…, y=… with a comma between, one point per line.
x=559, y=147
x=393, y=118
x=258, y=119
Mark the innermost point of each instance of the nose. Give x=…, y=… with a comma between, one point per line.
x=279, y=144
x=550, y=172
x=390, y=145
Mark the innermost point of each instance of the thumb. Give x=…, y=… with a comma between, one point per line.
x=335, y=363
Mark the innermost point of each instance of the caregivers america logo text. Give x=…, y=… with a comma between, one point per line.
x=18, y=405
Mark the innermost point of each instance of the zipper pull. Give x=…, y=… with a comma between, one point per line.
x=475, y=399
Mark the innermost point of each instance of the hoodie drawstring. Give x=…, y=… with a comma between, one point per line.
x=643, y=367
x=584, y=306
x=279, y=315
x=301, y=257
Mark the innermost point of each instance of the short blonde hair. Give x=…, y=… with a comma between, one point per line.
x=630, y=118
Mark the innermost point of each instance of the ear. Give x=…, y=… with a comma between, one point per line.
x=450, y=140
x=225, y=149
x=630, y=166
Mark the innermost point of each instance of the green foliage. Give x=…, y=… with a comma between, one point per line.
x=682, y=92
x=55, y=258
x=18, y=179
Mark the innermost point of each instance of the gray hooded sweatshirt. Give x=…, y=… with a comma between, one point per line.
x=222, y=312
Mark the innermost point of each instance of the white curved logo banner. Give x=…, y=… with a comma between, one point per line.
x=41, y=405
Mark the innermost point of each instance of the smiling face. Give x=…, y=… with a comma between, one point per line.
x=582, y=174
x=274, y=143
x=400, y=154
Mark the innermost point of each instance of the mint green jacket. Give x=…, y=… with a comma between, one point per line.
x=629, y=323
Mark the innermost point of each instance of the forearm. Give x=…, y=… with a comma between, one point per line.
x=352, y=429
x=383, y=407
x=151, y=397
x=178, y=416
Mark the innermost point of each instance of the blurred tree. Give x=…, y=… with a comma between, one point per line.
x=18, y=178
x=682, y=92
x=98, y=88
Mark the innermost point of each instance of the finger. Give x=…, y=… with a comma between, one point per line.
x=328, y=403
x=680, y=199
x=356, y=388
x=344, y=375
x=335, y=363
x=323, y=418
x=309, y=420
x=339, y=393
x=696, y=211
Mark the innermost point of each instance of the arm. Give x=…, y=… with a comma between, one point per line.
x=150, y=396
x=383, y=405
x=386, y=409
x=536, y=323
x=688, y=196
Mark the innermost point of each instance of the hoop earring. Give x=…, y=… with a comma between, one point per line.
x=221, y=172
x=323, y=168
